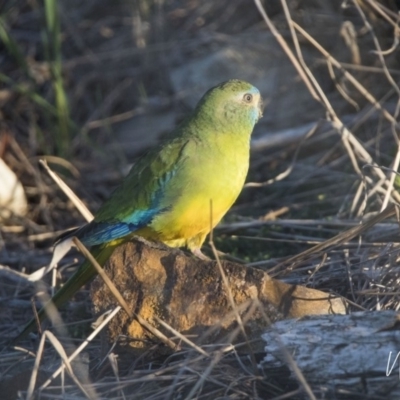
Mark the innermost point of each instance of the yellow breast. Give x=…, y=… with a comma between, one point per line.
x=200, y=195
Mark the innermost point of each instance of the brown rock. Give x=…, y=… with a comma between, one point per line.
x=189, y=295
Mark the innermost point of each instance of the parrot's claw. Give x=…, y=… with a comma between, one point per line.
x=153, y=245
x=198, y=253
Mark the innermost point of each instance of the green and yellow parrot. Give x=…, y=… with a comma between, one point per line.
x=167, y=194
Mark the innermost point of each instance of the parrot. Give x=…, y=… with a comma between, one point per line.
x=169, y=193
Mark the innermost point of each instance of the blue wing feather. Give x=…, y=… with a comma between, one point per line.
x=95, y=233
x=101, y=232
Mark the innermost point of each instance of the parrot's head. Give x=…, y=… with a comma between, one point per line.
x=233, y=104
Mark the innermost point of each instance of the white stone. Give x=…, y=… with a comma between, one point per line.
x=12, y=195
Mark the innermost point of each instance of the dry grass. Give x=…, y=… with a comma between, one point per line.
x=115, y=67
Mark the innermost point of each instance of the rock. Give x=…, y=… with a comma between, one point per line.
x=356, y=353
x=12, y=195
x=189, y=295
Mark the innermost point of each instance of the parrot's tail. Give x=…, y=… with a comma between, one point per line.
x=82, y=276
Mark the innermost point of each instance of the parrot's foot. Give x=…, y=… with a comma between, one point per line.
x=153, y=245
x=198, y=253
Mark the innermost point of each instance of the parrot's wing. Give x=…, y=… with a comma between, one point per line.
x=131, y=206
x=139, y=198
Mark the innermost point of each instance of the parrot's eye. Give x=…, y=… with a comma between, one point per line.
x=248, y=98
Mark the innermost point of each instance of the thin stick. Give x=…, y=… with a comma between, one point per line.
x=228, y=290
x=335, y=241
x=395, y=87
x=182, y=337
x=109, y=317
x=103, y=275
x=76, y=201
x=66, y=363
x=346, y=74
x=36, y=316
x=286, y=48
